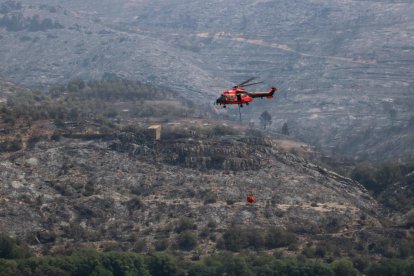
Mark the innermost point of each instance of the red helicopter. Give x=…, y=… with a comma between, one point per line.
x=239, y=95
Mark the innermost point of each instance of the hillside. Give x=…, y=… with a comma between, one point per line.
x=78, y=44
x=78, y=178
x=344, y=69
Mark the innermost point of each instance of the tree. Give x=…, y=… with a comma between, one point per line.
x=265, y=119
x=162, y=264
x=343, y=267
x=391, y=267
x=76, y=85
x=285, y=129
x=277, y=237
x=7, y=246
x=9, y=249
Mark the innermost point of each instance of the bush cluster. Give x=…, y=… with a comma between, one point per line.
x=18, y=22
x=16, y=260
x=237, y=238
x=87, y=101
x=377, y=178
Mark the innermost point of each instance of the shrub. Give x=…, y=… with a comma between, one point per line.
x=276, y=237
x=332, y=222
x=309, y=252
x=187, y=241
x=209, y=197
x=234, y=239
x=185, y=224
x=140, y=246
x=212, y=224
x=237, y=238
x=230, y=201
x=205, y=231
x=320, y=250
x=11, y=146
x=162, y=244
x=135, y=203
x=360, y=263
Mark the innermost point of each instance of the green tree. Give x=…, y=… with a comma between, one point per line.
x=365, y=174
x=10, y=250
x=7, y=247
x=161, y=264
x=343, y=267
x=8, y=267
x=392, y=268
x=124, y=263
x=101, y=271
x=221, y=264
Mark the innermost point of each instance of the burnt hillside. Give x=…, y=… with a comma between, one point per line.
x=99, y=179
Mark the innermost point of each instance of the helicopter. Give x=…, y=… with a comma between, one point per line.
x=239, y=95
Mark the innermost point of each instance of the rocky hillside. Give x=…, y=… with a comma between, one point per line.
x=344, y=69
x=88, y=190
x=72, y=181
x=79, y=43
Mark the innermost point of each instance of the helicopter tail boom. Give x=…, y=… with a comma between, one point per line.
x=268, y=94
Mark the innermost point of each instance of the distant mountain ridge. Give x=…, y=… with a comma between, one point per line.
x=86, y=47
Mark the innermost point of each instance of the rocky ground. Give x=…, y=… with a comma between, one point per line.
x=123, y=191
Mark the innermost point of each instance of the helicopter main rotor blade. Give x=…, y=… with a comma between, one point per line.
x=250, y=84
x=246, y=81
